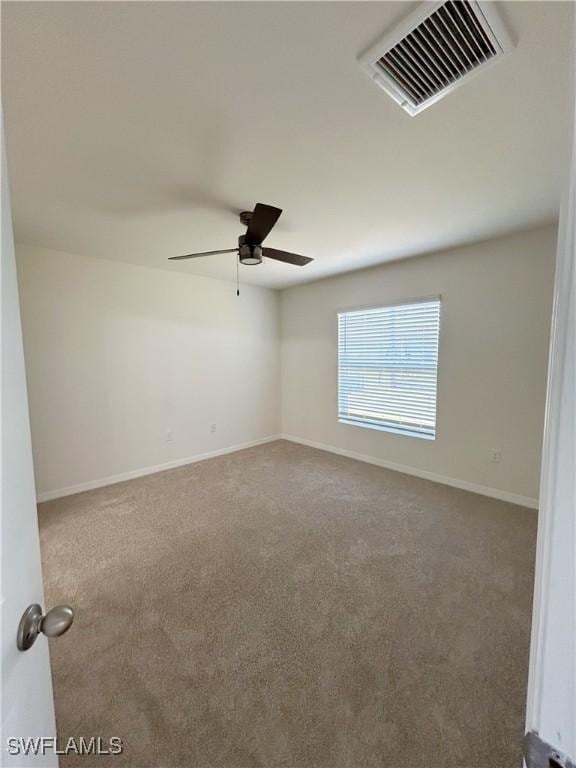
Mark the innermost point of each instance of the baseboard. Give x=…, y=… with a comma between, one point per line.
x=483, y=490
x=112, y=479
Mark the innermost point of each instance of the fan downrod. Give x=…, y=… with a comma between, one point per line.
x=245, y=217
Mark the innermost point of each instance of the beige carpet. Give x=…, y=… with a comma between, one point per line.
x=285, y=607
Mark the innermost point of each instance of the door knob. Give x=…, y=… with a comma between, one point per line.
x=53, y=624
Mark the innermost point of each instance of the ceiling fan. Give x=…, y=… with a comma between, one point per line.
x=259, y=222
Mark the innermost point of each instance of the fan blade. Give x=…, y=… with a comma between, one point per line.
x=197, y=255
x=263, y=219
x=289, y=258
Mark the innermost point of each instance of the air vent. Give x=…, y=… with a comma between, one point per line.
x=435, y=50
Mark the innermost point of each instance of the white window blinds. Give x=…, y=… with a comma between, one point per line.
x=387, y=367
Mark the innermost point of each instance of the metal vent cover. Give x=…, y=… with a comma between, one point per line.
x=435, y=50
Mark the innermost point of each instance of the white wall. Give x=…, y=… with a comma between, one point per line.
x=496, y=308
x=118, y=355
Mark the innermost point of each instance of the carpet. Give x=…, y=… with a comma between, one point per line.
x=283, y=607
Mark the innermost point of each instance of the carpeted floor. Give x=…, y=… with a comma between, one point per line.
x=283, y=607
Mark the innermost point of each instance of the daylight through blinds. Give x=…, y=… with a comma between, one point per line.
x=388, y=367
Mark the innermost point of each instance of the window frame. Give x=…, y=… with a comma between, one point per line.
x=382, y=427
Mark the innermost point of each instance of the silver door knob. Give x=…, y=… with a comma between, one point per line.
x=53, y=624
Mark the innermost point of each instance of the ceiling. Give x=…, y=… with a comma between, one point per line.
x=138, y=131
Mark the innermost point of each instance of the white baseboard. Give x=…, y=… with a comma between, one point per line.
x=483, y=490
x=112, y=479
x=495, y=493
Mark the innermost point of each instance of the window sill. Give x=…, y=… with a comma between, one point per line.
x=392, y=430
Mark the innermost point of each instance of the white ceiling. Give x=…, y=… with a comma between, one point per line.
x=137, y=131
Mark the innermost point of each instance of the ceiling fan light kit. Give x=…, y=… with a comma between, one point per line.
x=249, y=254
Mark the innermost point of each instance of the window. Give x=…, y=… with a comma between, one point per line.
x=388, y=366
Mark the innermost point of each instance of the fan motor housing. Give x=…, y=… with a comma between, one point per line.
x=249, y=254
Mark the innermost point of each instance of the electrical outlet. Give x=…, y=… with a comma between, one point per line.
x=212, y=428
x=169, y=437
x=495, y=455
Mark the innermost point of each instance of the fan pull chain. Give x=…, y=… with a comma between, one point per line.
x=237, y=276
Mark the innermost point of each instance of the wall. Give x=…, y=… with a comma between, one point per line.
x=496, y=308
x=118, y=355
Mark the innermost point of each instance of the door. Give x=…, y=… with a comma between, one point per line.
x=26, y=698
x=551, y=710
